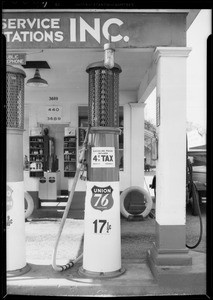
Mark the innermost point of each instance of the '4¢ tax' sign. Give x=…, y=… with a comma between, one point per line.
x=103, y=157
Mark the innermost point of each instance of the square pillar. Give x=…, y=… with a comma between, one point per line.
x=137, y=144
x=169, y=248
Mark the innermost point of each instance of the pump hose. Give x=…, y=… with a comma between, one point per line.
x=56, y=267
x=196, y=197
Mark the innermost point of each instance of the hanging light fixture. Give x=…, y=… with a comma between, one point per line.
x=37, y=81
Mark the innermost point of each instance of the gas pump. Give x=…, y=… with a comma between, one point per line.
x=102, y=238
x=15, y=219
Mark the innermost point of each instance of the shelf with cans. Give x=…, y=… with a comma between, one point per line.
x=36, y=150
x=69, y=156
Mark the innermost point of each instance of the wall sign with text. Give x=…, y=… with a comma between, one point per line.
x=54, y=113
x=16, y=58
x=44, y=30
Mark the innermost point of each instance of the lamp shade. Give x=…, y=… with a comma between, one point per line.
x=37, y=81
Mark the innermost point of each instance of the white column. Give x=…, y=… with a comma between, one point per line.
x=137, y=144
x=170, y=244
x=171, y=163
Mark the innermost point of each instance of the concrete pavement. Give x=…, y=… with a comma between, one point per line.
x=136, y=281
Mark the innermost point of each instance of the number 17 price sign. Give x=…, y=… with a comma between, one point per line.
x=102, y=245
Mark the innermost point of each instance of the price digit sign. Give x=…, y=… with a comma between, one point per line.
x=54, y=113
x=101, y=226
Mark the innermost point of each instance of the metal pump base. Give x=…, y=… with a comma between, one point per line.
x=19, y=272
x=86, y=273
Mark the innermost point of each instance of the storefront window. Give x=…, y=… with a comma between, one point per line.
x=83, y=124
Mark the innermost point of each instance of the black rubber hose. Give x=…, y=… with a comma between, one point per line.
x=71, y=263
x=194, y=194
x=196, y=197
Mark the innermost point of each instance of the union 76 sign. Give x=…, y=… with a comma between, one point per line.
x=102, y=198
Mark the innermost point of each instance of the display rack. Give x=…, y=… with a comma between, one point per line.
x=36, y=155
x=69, y=156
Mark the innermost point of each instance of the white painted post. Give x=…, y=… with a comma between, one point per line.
x=171, y=163
x=137, y=144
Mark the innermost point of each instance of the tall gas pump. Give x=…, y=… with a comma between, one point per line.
x=15, y=220
x=102, y=238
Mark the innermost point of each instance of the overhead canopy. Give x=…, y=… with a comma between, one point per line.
x=71, y=40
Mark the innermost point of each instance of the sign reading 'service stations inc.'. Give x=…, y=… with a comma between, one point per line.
x=39, y=29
